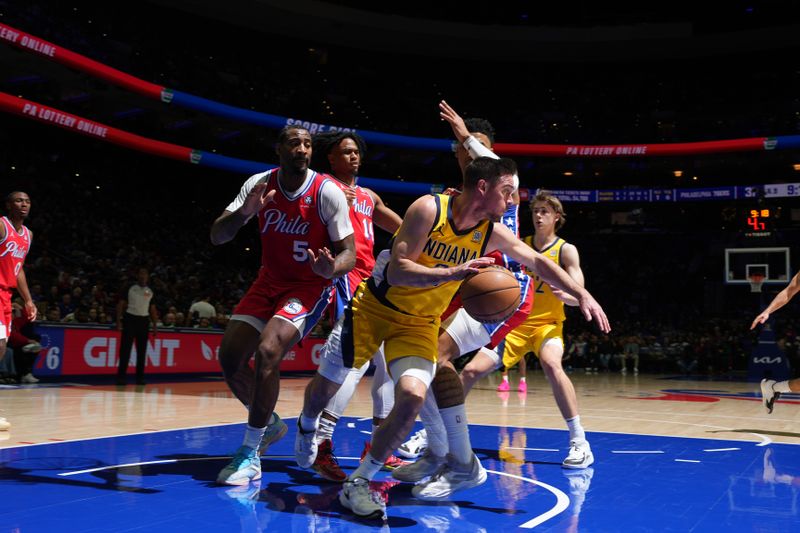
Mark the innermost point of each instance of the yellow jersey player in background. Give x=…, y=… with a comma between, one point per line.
x=542, y=331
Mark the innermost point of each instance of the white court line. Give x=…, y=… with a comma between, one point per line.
x=533, y=449
x=686, y=461
x=365, y=419
x=722, y=450
x=351, y=425
x=366, y=432
x=562, y=500
x=637, y=451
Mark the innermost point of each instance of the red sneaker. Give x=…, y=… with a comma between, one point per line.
x=326, y=464
x=391, y=462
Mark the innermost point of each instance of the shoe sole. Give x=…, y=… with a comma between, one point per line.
x=375, y=515
x=325, y=475
x=581, y=466
x=239, y=482
x=476, y=482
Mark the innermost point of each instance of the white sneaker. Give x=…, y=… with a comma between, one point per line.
x=243, y=468
x=4, y=424
x=415, y=446
x=580, y=455
x=635, y=371
x=769, y=394
x=29, y=378
x=305, y=447
x=425, y=466
x=357, y=496
x=32, y=347
x=624, y=371
x=450, y=478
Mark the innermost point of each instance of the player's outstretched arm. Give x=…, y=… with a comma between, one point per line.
x=502, y=239
x=781, y=299
x=570, y=260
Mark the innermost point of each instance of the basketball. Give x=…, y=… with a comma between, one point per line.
x=491, y=295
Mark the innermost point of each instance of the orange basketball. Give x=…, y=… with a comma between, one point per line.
x=491, y=295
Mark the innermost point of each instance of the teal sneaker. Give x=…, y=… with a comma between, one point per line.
x=273, y=434
x=243, y=468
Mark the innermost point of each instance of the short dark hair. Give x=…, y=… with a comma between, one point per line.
x=323, y=143
x=283, y=135
x=489, y=169
x=480, y=125
x=10, y=195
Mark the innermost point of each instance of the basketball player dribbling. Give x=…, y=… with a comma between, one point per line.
x=440, y=241
x=300, y=215
x=15, y=242
x=462, y=333
x=339, y=154
x=770, y=389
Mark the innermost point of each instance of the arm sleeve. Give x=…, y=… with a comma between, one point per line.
x=244, y=191
x=335, y=211
x=476, y=149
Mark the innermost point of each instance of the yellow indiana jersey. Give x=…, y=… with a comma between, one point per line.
x=445, y=247
x=546, y=306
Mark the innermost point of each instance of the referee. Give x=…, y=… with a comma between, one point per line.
x=133, y=325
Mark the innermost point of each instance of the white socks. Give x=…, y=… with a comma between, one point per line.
x=367, y=469
x=782, y=387
x=326, y=427
x=252, y=436
x=308, y=424
x=455, y=422
x=575, y=428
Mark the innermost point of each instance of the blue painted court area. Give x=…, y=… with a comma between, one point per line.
x=164, y=481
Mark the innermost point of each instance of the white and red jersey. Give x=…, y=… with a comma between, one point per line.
x=361, y=218
x=13, y=249
x=291, y=222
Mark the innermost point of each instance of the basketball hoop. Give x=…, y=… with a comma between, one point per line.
x=756, y=280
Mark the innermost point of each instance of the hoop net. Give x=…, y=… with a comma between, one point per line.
x=756, y=280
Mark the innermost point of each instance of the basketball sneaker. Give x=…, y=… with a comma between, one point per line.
x=326, y=464
x=768, y=394
x=32, y=347
x=413, y=447
x=504, y=386
x=28, y=379
x=425, y=466
x=450, y=478
x=4, y=424
x=580, y=455
x=305, y=447
x=359, y=498
x=243, y=468
x=273, y=434
x=391, y=462
x=523, y=387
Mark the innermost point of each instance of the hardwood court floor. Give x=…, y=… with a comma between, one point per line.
x=644, y=404
x=670, y=455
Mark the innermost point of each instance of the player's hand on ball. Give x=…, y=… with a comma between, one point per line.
x=471, y=267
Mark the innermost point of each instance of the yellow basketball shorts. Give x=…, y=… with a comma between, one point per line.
x=372, y=323
x=529, y=337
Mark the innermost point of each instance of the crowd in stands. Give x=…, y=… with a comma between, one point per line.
x=97, y=218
